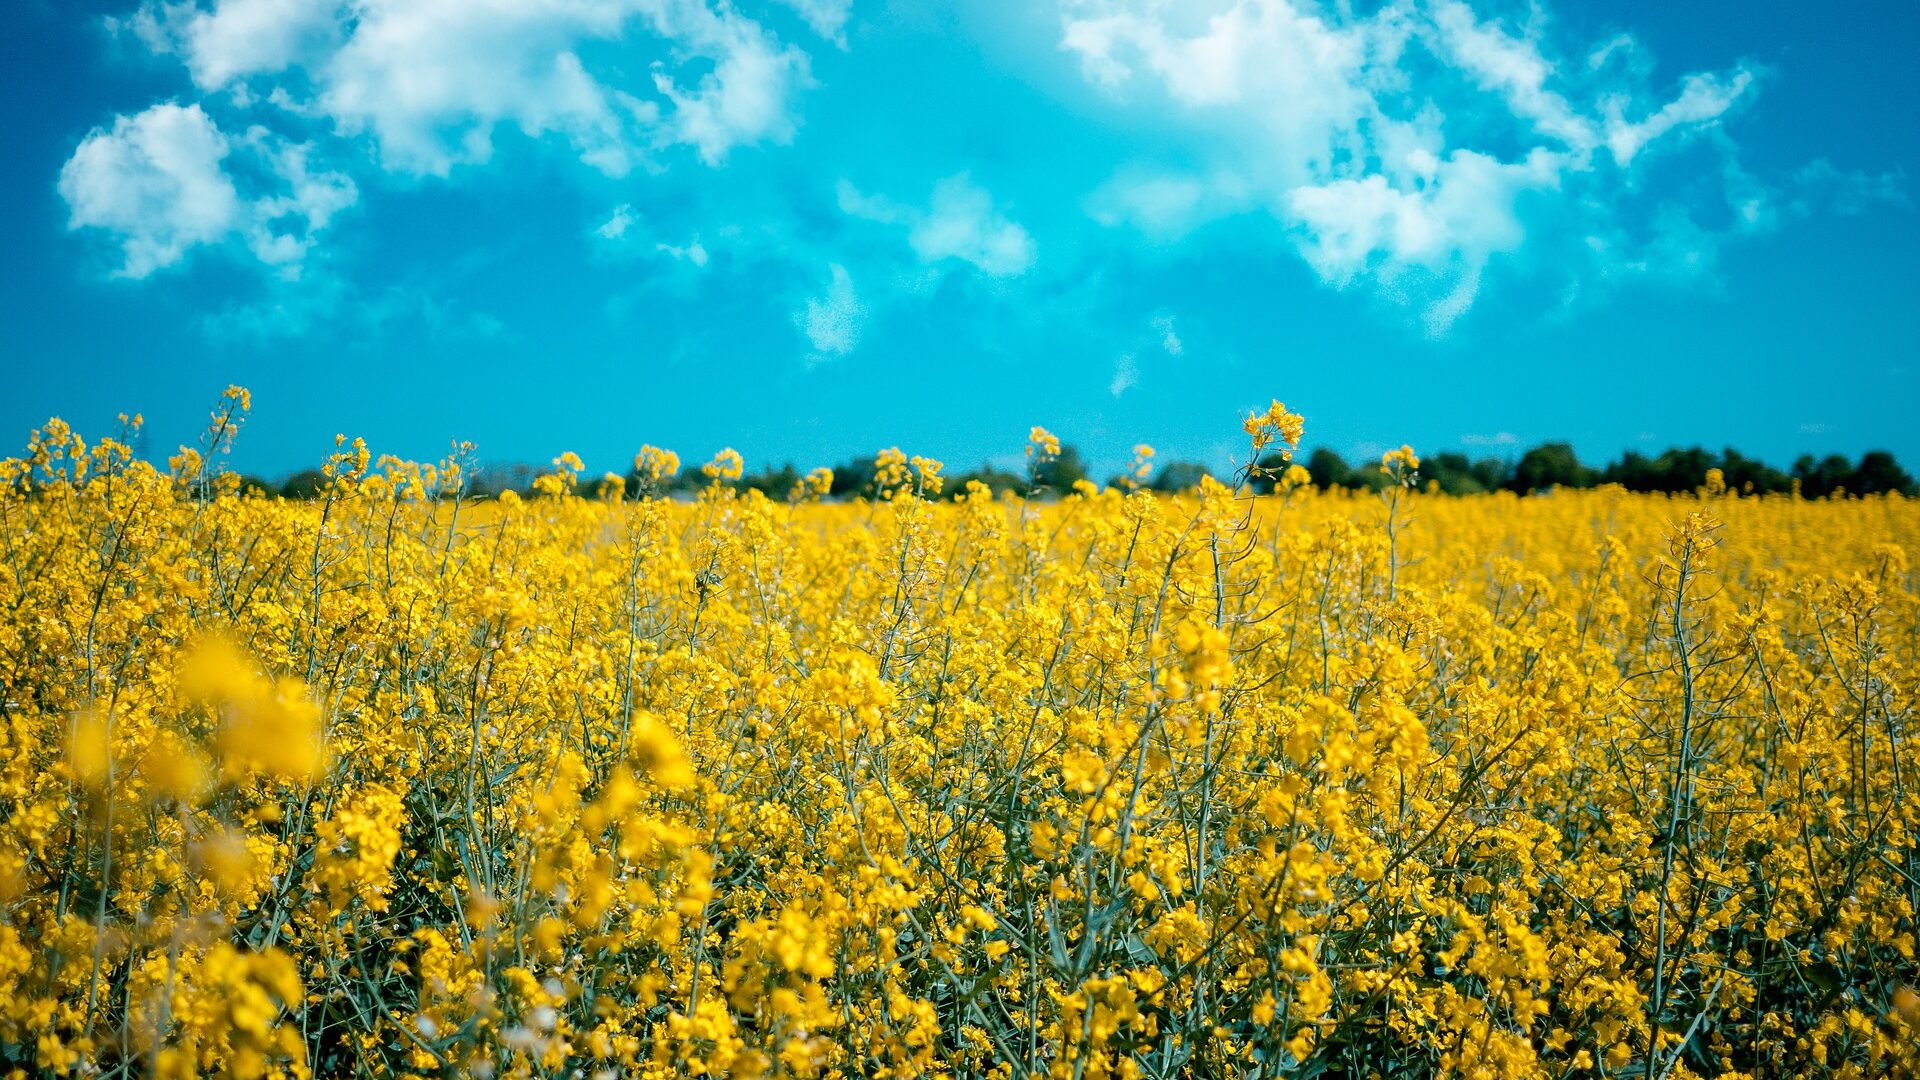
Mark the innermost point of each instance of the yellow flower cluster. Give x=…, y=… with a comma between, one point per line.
x=1276, y=422
x=726, y=465
x=654, y=463
x=1116, y=785
x=813, y=487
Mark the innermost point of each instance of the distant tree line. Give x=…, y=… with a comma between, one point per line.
x=1554, y=464
x=1542, y=468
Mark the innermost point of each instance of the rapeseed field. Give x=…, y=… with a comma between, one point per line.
x=1081, y=784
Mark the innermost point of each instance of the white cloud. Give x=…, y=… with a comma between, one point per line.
x=1819, y=182
x=1512, y=67
x=426, y=85
x=1498, y=438
x=622, y=233
x=617, y=223
x=1169, y=340
x=1296, y=79
x=960, y=222
x=1618, y=45
x=1166, y=206
x=1126, y=370
x=1703, y=100
x=828, y=18
x=1330, y=118
x=158, y=181
x=743, y=99
x=238, y=38
x=282, y=226
x=833, y=322
x=430, y=81
x=1125, y=374
x=1448, y=226
x=693, y=251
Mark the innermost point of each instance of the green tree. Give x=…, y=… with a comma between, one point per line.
x=1743, y=473
x=1179, y=476
x=1459, y=475
x=852, y=479
x=305, y=484
x=1819, y=479
x=998, y=481
x=774, y=483
x=1549, y=465
x=1328, y=468
x=1062, y=471
x=1879, y=473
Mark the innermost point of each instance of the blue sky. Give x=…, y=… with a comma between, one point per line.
x=814, y=228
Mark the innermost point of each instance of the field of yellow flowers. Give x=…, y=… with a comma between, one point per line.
x=1085, y=784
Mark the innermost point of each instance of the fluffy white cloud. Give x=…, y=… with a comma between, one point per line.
x=960, y=222
x=1703, y=100
x=428, y=85
x=693, y=251
x=622, y=233
x=1511, y=67
x=237, y=38
x=159, y=182
x=617, y=223
x=431, y=80
x=828, y=18
x=283, y=221
x=1297, y=80
x=1402, y=145
x=1448, y=225
x=1162, y=205
x=743, y=99
x=832, y=322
